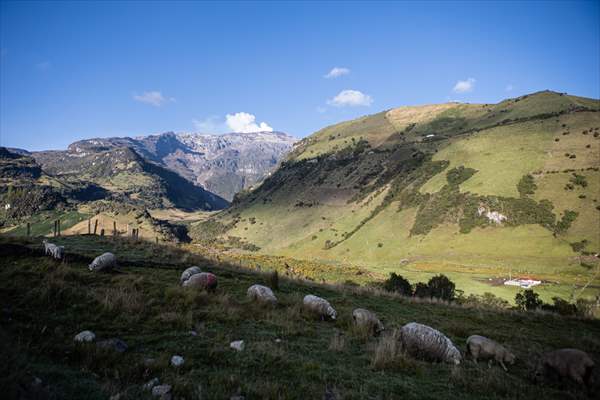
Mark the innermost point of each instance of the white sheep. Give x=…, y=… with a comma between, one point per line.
x=424, y=341
x=262, y=294
x=202, y=280
x=185, y=275
x=487, y=349
x=46, y=245
x=104, y=262
x=319, y=306
x=368, y=320
x=57, y=252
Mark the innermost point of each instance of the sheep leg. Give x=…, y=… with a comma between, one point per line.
x=503, y=366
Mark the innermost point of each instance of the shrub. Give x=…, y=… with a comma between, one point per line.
x=528, y=300
x=578, y=180
x=458, y=175
x=487, y=300
x=565, y=222
x=442, y=287
x=397, y=283
x=526, y=185
x=274, y=280
x=578, y=246
x=421, y=290
x=561, y=306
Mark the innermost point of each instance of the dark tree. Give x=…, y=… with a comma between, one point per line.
x=442, y=287
x=397, y=283
x=528, y=300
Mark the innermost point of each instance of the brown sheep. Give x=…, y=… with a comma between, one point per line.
x=574, y=364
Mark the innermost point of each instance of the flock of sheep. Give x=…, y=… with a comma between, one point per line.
x=416, y=339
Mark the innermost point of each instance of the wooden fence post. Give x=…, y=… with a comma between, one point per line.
x=55, y=226
x=28, y=229
x=156, y=237
x=95, y=226
x=114, y=228
x=58, y=224
x=102, y=232
x=89, y=226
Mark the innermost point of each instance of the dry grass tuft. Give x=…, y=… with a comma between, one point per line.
x=338, y=342
x=389, y=355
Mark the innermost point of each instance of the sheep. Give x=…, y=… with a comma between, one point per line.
x=46, y=245
x=188, y=273
x=319, y=306
x=262, y=294
x=202, y=280
x=566, y=363
x=52, y=250
x=368, y=320
x=422, y=340
x=104, y=262
x=57, y=252
x=482, y=347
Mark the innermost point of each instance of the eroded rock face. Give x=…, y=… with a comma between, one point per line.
x=492, y=216
x=222, y=164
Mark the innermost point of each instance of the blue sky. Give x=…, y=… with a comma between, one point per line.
x=77, y=70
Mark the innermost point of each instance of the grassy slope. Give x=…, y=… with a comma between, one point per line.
x=146, y=307
x=501, y=154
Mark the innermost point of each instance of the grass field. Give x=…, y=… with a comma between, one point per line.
x=144, y=306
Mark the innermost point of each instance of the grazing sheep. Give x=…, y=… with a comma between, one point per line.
x=319, y=306
x=188, y=273
x=57, y=252
x=202, y=280
x=487, y=349
x=367, y=319
x=46, y=245
x=422, y=340
x=262, y=294
x=566, y=363
x=104, y=262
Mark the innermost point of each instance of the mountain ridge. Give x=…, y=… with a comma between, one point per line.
x=222, y=164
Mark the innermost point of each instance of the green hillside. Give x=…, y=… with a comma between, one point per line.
x=288, y=353
x=410, y=190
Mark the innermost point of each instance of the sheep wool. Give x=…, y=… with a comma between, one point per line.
x=262, y=294
x=573, y=364
x=422, y=340
x=104, y=262
x=202, y=280
x=319, y=306
x=367, y=319
x=188, y=273
x=484, y=348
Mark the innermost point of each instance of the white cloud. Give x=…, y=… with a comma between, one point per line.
x=154, y=98
x=336, y=72
x=464, y=86
x=243, y=122
x=350, y=98
x=509, y=88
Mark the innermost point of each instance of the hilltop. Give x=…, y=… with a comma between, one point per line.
x=477, y=191
x=221, y=164
x=288, y=353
